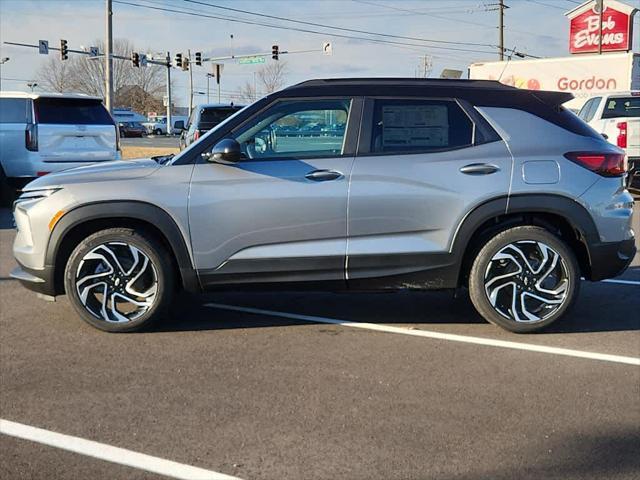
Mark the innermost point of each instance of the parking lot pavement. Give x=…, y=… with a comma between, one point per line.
x=261, y=396
x=151, y=141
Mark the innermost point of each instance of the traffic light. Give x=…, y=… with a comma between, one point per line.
x=185, y=63
x=198, y=58
x=179, y=60
x=135, y=59
x=274, y=52
x=64, y=50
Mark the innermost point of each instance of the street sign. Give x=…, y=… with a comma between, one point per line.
x=93, y=51
x=143, y=60
x=327, y=48
x=250, y=60
x=43, y=47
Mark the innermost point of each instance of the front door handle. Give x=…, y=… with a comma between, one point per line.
x=479, y=169
x=323, y=175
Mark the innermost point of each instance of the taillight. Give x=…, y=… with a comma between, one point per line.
x=31, y=137
x=622, y=134
x=605, y=164
x=196, y=135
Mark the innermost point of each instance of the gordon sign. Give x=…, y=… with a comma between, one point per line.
x=585, y=29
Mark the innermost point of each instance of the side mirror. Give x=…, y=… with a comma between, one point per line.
x=605, y=136
x=226, y=150
x=179, y=125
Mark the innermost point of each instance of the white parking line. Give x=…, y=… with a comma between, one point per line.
x=623, y=282
x=437, y=335
x=109, y=453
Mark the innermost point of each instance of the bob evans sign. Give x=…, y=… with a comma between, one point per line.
x=584, y=29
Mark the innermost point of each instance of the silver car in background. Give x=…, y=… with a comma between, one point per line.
x=356, y=184
x=44, y=133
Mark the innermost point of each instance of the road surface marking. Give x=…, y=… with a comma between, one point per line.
x=437, y=335
x=623, y=282
x=110, y=453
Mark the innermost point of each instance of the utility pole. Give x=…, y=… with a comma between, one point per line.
x=169, y=123
x=108, y=66
x=600, y=13
x=190, y=82
x=501, y=8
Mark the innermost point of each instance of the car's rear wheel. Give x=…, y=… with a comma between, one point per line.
x=524, y=279
x=119, y=279
x=157, y=131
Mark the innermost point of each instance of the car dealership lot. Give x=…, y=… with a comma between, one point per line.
x=261, y=395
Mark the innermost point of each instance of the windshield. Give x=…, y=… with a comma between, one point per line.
x=617, y=107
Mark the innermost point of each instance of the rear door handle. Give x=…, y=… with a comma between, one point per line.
x=479, y=169
x=323, y=175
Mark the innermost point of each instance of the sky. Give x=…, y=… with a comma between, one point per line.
x=535, y=27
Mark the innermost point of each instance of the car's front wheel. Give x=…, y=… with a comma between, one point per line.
x=119, y=279
x=157, y=131
x=523, y=279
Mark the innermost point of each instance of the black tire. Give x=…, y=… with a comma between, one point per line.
x=157, y=131
x=7, y=191
x=159, y=268
x=496, y=265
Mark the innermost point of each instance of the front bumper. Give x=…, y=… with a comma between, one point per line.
x=611, y=259
x=39, y=281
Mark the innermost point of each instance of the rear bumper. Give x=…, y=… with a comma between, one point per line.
x=611, y=259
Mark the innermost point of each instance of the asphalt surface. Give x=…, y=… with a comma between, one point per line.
x=263, y=397
x=151, y=141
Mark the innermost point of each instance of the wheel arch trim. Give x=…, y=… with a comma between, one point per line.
x=571, y=211
x=132, y=210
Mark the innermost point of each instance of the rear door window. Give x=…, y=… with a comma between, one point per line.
x=617, y=107
x=420, y=125
x=71, y=111
x=15, y=110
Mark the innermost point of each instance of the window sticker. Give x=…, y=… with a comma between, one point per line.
x=415, y=126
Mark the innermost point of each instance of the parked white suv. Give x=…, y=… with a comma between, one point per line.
x=617, y=117
x=43, y=133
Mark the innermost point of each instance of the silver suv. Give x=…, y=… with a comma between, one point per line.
x=344, y=184
x=42, y=133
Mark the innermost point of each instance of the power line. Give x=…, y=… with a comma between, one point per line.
x=546, y=4
x=315, y=32
x=388, y=35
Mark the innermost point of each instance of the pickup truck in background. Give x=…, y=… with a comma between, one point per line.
x=158, y=126
x=617, y=117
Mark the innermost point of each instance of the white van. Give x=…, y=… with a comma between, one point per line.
x=42, y=133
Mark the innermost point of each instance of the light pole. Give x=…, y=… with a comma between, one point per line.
x=32, y=85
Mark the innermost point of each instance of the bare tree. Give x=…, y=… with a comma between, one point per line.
x=56, y=75
x=270, y=78
x=138, y=88
x=248, y=93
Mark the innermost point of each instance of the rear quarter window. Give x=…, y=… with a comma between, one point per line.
x=67, y=111
x=15, y=110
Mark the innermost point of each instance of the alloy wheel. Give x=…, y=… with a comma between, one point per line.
x=526, y=281
x=116, y=282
